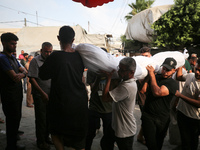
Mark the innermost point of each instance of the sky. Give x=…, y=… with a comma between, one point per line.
x=105, y=19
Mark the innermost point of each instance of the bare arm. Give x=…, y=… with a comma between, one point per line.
x=16, y=77
x=156, y=90
x=38, y=88
x=106, y=96
x=179, y=74
x=143, y=88
x=194, y=102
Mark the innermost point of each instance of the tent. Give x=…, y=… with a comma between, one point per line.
x=139, y=26
x=31, y=38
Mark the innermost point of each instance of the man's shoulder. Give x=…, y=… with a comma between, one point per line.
x=2, y=56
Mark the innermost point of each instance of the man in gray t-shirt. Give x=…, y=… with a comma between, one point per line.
x=40, y=91
x=123, y=96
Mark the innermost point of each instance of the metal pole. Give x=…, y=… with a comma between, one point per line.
x=25, y=22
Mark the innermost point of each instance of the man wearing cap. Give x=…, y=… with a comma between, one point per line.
x=155, y=116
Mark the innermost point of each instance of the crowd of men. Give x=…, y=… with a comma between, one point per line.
x=61, y=100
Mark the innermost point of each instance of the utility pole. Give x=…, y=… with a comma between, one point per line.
x=25, y=22
x=37, y=17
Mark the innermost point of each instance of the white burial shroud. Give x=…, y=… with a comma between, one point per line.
x=96, y=59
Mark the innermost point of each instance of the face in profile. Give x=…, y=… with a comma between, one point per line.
x=46, y=51
x=197, y=72
x=10, y=46
x=146, y=54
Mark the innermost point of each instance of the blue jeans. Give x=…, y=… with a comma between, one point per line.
x=189, y=131
x=154, y=130
x=94, y=122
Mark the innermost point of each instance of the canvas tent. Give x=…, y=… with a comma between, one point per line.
x=31, y=38
x=139, y=26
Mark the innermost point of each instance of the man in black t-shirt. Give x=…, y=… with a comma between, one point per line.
x=155, y=116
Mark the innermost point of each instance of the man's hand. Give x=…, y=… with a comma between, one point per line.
x=177, y=94
x=105, y=73
x=150, y=69
x=45, y=97
x=18, y=77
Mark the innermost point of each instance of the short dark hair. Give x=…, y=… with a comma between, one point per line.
x=25, y=54
x=129, y=62
x=30, y=56
x=66, y=34
x=145, y=49
x=7, y=37
x=48, y=44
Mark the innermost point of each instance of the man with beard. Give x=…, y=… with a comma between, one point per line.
x=40, y=91
x=155, y=115
x=11, y=74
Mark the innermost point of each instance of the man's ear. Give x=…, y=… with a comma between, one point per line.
x=73, y=40
x=132, y=73
x=174, y=70
x=58, y=38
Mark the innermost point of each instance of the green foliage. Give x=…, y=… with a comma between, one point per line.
x=130, y=44
x=180, y=26
x=138, y=6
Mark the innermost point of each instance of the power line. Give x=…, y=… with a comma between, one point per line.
x=31, y=14
x=123, y=4
x=119, y=15
x=12, y=21
x=21, y=21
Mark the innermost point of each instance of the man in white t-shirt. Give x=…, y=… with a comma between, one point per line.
x=188, y=107
x=123, y=96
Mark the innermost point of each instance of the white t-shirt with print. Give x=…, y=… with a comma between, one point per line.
x=123, y=120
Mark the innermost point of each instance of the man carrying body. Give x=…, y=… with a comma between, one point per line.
x=68, y=101
x=145, y=51
x=155, y=116
x=40, y=92
x=123, y=96
x=11, y=74
x=188, y=107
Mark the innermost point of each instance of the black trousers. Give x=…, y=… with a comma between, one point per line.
x=108, y=139
x=41, y=123
x=189, y=131
x=94, y=122
x=12, y=105
x=154, y=130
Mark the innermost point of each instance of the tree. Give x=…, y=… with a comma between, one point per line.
x=180, y=26
x=138, y=6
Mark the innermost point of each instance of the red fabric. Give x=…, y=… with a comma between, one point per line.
x=92, y=3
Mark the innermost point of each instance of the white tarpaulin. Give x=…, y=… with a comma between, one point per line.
x=31, y=38
x=139, y=26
